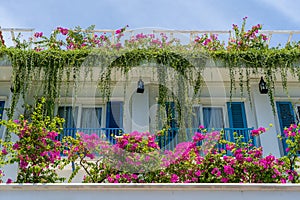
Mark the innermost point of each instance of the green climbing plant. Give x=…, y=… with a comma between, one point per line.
x=53, y=65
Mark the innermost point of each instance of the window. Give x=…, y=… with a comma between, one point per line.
x=91, y=117
x=209, y=116
x=213, y=117
x=81, y=116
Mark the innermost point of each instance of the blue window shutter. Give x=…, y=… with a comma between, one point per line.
x=114, y=114
x=1, y=109
x=286, y=117
x=285, y=114
x=237, y=115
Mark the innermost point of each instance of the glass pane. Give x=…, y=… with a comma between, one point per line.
x=91, y=117
x=213, y=117
x=196, y=117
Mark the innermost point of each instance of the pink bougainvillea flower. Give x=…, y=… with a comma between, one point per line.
x=174, y=178
x=15, y=146
x=38, y=34
x=224, y=180
x=201, y=127
x=118, y=31
x=9, y=181
x=198, y=137
x=63, y=31
x=90, y=155
x=257, y=132
x=228, y=170
x=4, y=151
x=198, y=173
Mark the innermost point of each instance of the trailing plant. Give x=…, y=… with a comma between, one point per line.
x=48, y=63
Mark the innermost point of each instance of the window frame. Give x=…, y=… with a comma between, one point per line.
x=79, y=114
x=224, y=111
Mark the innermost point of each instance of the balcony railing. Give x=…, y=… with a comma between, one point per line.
x=107, y=134
x=169, y=140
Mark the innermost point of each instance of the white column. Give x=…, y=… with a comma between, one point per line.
x=140, y=111
x=265, y=116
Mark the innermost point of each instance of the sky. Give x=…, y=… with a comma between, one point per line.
x=46, y=15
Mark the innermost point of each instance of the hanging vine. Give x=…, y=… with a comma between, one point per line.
x=51, y=63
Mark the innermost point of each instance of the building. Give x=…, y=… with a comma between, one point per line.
x=135, y=103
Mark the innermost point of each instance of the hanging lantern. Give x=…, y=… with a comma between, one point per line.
x=263, y=89
x=140, y=86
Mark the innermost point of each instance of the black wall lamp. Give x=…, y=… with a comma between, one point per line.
x=263, y=89
x=140, y=86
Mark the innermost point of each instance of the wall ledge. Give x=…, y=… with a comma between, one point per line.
x=150, y=187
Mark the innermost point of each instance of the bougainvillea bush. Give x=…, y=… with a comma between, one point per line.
x=37, y=150
x=136, y=158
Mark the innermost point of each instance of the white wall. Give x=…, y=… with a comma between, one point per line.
x=265, y=117
x=150, y=191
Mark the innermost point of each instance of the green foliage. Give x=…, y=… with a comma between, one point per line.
x=50, y=63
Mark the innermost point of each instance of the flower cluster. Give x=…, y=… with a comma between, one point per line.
x=211, y=42
x=150, y=40
x=257, y=132
x=77, y=38
x=38, y=34
x=137, y=142
x=251, y=39
x=291, y=138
